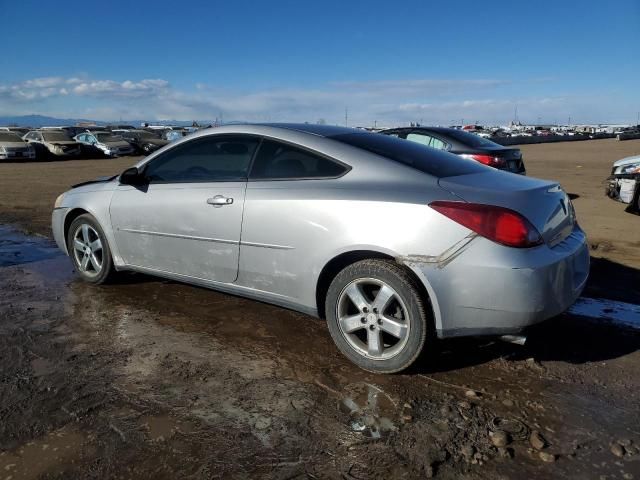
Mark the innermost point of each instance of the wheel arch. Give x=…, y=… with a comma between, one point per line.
x=70, y=217
x=343, y=260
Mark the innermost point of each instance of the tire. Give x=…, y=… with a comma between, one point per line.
x=87, y=225
x=362, y=333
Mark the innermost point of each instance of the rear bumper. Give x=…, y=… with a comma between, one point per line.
x=488, y=289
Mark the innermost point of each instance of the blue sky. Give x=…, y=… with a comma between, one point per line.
x=390, y=62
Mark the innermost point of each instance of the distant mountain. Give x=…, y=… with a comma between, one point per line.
x=40, y=121
x=44, y=121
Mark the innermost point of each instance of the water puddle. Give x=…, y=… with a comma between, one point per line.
x=17, y=248
x=372, y=412
x=622, y=313
x=163, y=427
x=48, y=454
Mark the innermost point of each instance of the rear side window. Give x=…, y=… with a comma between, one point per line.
x=207, y=159
x=427, y=160
x=427, y=140
x=280, y=161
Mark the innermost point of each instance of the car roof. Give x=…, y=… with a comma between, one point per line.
x=321, y=130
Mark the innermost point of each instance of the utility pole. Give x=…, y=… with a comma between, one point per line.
x=569, y=124
x=346, y=116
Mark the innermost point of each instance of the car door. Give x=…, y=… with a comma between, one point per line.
x=187, y=220
x=287, y=191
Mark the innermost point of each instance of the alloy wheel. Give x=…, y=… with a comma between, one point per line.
x=88, y=250
x=373, y=318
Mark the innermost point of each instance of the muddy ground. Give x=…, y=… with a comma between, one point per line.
x=153, y=379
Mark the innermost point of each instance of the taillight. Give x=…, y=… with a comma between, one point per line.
x=490, y=160
x=499, y=224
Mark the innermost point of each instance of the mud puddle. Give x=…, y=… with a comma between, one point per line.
x=166, y=380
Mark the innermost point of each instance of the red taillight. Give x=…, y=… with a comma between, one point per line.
x=495, y=223
x=490, y=160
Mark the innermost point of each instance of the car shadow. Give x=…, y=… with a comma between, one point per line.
x=613, y=281
x=565, y=338
x=573, y=196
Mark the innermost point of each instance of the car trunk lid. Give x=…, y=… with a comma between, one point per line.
x=542, y=202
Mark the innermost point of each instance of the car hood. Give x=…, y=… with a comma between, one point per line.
x=63, y=143
x=14, y=144
x=154, y=141
x=98, y=180
x=118, y=143
x=627, y=161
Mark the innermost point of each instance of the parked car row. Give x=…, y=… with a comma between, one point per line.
x=122, y=140
x=60, y=143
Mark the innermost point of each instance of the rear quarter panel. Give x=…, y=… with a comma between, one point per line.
x=292, y=229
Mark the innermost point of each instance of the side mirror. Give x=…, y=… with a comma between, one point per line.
x=132, y=176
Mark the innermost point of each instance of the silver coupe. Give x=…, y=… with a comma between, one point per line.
x=394, y=243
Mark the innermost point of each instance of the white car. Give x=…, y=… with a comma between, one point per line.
x=624, y=182
x=110, y=144
x=12, y=147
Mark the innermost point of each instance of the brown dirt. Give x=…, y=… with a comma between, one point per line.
x=152, y=379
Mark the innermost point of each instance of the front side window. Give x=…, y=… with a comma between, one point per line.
x=280, y=161
x=207, y=159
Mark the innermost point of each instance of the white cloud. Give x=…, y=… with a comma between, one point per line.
x=128, y=88
x=389, y=102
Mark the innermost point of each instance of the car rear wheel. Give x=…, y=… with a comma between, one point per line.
x=376, y=316
x=89, y=250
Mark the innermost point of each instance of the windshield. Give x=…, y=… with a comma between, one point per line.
x=428, y=160
x=471, y=139
x=9, y=137
x=55, y=137
x=107, y=137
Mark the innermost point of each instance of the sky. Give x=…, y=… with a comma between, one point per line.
x=361, y=63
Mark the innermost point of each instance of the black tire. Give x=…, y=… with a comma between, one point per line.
x=394, y=276
x=107, y=270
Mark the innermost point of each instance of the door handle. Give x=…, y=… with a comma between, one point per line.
x=219, y=201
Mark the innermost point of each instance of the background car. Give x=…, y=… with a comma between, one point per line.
x=392, y=242
x=12, y=147
x=53, y=143
x=624, y=183
x=20, y=131
x=467, y=145
x=143, y=141
x=173, y=135
x=109, y=144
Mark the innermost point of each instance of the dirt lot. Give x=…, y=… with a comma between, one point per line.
x=149, y=378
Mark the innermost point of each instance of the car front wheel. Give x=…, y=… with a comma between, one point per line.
x=89, y=250
x=376, y=316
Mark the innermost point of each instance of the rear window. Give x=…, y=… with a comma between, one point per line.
x=471, y=139
x=427, y=160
